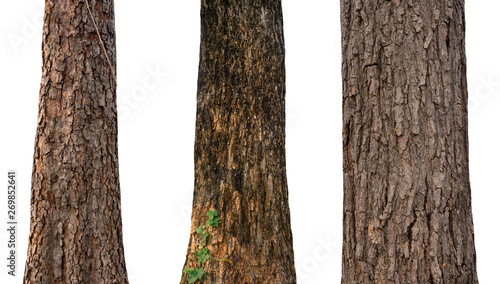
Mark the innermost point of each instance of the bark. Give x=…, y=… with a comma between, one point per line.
x=240, y=143
x=76, y=230
x=407, y=199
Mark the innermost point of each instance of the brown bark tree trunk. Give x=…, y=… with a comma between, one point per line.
x=240, y=143
x=407, y=199
x=76, y=234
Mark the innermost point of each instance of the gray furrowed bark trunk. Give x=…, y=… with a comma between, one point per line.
x=407, y=199
x=76, y=234
x=240, y=143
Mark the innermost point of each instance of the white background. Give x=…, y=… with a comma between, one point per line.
x=157, y=122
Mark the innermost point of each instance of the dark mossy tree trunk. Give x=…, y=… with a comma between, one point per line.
x=76, y=228
x=240, y=143
x=407, y=197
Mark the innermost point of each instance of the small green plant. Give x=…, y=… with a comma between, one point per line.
x=202, y=253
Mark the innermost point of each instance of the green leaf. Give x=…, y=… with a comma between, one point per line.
x=196, y=275
x=211, y=214
x=213, y=222
x=199, y=230
x=199, y=273
x=204, y=237
x=191, y=279
x=203, y=255
x=193, y=274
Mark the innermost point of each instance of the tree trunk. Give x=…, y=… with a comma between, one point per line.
x=407, y=200
x=76, y=229
x=240, y=143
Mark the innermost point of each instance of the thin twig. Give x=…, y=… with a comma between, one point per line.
x=102, y=44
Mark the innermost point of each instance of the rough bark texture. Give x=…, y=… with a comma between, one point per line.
x=407, y=200
x=76, y=234
x=240, y=143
